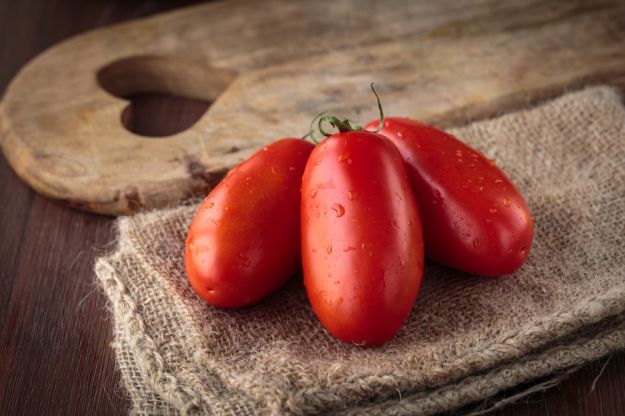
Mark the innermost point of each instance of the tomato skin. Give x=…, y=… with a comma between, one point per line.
x=362, y=246
x=474, y=218
x=244, y=241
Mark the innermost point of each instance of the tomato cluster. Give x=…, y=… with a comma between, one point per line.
x=356, y=212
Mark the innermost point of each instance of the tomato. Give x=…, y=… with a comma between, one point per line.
x=244, y=241
x=362, y=247
x=474, y=218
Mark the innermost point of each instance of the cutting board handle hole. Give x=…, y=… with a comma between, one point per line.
x=167, y=95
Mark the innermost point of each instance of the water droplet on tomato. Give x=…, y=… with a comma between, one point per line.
x=265, y=148
x=343, y=156
x=488, y=220
x=400, y=134
x=273, y=170
x=338, y=209
x=292, y=168
x=402, y=264
x=492, y=210
x=209, y=205
x=326, y=185
x=349, y=248
x=498, y=181
x=474, y=155
x=329, y=249
x=336, y=282
x=352, y=195
x=506, y=202
x=523, y=252
x=476, y=243
x=349, y=160
x=313, y=192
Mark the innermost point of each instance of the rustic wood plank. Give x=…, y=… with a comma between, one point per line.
x=270, y=69
x=55, y=331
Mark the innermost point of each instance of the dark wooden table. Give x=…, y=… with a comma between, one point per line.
x=55, y=330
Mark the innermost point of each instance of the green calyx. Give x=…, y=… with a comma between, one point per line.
x=341, y=125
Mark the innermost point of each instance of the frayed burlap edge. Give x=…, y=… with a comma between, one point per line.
x=162, y=389
x=588, y=347
x=163, y=383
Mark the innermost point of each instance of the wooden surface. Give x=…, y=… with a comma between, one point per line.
x=55, y=357
x=268, y=69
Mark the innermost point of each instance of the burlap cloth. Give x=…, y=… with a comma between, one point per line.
x=467, y=337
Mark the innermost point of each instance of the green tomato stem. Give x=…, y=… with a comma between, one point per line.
x=342, y=125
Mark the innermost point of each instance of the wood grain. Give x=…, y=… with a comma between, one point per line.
x=269, y=69
x=55, y=357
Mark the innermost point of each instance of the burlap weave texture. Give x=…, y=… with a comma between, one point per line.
x=467, y=337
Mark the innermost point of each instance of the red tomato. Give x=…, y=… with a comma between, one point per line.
x=362, y=248
x=474, y=219
x=244, y=241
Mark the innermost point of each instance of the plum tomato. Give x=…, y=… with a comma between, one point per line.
x=474, y=218
x=362, y=245
x=244, y=241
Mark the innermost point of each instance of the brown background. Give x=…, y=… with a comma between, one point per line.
x=54, y=327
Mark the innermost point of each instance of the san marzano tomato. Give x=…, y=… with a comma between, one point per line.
x=474, y=218
x=362, y=248
x=244, y=241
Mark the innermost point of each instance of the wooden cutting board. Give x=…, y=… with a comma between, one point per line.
x=269, y=67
